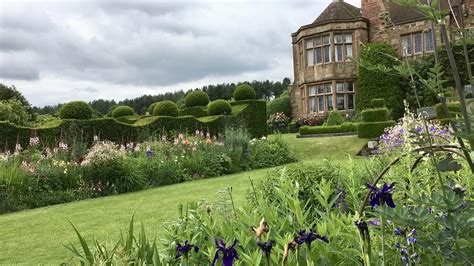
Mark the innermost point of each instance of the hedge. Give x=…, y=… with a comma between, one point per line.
x=196, y=98
x=219, y=107
x=253, y=116
x=372, y=84
x=377, y=103
x=244, y=92
x=345, y=127
x=369, y=130
x=76, y=110
x=196, y=111
x=375, y=115
x=454, y=109
x=122, y=110
x=166, y=108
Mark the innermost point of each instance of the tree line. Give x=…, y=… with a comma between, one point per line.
x=264, y=89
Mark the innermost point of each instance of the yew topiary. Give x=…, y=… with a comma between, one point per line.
x=196, y=98
x=244, y=92
x=122, y=110
x=76, y=110
x=166, y=108
x=219, y=107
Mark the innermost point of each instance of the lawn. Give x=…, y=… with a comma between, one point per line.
x=37, y=236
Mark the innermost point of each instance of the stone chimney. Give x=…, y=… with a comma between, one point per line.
x=374, y=11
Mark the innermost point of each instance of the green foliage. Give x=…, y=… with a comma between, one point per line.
x=151, y=108
x=377, y=103
x=76, y=110
x=10, y=93
x=244, y=92
x=372, y=84
x=345, y=127
x=166, y=108
x=196, y=98
x=253, y=118
x=375, y=115
x=196, y=111
x=219, y=107
x=334, y=118
x=453, y=108
x=280, y=105
x=13, y=111
x=370, y=130
x=122, y=110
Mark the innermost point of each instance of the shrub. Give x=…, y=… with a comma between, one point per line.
x=372, y=84
x=166, y=108
x=151, y=108
x=266, y=153
x=76, y=110
x=453, y=108
x=375, y=115
x=370, y=130
x=345, y=127
x=196, y=98
x=122, y=110
x=253, y=118
x=219, y=107
x=334, y=118
x=244, y=92
x=312, y=119
x=377, y=103
x=278, y=122
x=196, y=111
x=280, y=105
x=13, y=111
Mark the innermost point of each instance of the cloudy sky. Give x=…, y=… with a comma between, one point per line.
x=57, y=51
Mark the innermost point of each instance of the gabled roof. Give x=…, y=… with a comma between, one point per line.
x=338, y=11
x=400, y=14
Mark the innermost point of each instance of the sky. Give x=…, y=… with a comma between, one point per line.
x=58, y=51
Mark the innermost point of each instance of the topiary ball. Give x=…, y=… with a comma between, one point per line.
x=335, y=118
x=166, y=108
x=151, y=108
x=196, y=98
x=244, y=92
x=122, y=110
x=76, y=110
x=219, y=107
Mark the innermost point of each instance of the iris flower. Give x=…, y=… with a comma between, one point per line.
x=309, y=237
x=382, y=196
x=229, y=254
x=184, y=249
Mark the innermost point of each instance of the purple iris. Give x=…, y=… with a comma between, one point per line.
x=266, y=247
x=184, y=249
x=229, y=254
x=149, y=153
x=309, y=237
x=374, y=222
x=382, y=196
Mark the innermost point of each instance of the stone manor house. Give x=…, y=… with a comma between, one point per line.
x=324, y=79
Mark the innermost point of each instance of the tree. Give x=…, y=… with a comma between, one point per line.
x=13, y=111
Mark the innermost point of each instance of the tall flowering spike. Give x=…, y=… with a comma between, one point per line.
x=229, y=254
x=382, y=196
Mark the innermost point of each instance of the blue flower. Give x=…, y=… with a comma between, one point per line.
x=229, y=254
x=309, y=237
x=149, y=153
x=184, y=249
x=382, y=196
x=266, y=247
x=398, y=231
x=374, y=222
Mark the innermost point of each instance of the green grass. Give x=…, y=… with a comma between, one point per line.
x=37, y=236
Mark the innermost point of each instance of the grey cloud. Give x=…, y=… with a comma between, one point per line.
x=15, y=72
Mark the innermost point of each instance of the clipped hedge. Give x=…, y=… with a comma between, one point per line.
x=377, y=103
x=244, y=92
x=280, y=105
x=151, y=108
x=345, y=127
x=76, y=110
x=196, y=98
x=219, y=107
x=252, y=116
x=122, y=110
x=375, y=115
x=454, y=109
x=166, y=108
x=196, y=111
x=369, y=130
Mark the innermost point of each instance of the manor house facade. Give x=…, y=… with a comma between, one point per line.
x=325, y=79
